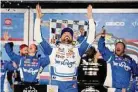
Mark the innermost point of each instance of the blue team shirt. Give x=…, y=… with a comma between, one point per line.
x=121, y=67
x=29, y=67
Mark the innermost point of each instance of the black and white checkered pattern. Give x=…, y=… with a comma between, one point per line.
x=58, y=25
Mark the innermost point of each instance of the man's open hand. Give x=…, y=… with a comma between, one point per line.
x=38, y=11
x=6, y=36
x=89, y=12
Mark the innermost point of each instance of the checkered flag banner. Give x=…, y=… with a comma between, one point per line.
x=56, y=27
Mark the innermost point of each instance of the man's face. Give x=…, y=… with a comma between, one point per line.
x=66, y=38
x=119, y=49
x=32, y=48
x=24, y=51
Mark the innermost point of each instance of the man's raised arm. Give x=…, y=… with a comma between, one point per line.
x=91, y=34
x=105, y=52
x=9, y=49
x=37, y=33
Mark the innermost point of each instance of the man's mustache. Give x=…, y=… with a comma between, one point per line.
x=67, y=37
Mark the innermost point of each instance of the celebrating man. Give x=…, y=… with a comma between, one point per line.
x=29, y=65
x=121, y=65
x=64, y=58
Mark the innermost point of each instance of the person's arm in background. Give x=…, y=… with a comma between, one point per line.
x=47, y=49
x=91, y=35
x=105, y=52
x=9, y=49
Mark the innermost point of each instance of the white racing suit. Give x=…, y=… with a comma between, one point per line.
x=64, y=58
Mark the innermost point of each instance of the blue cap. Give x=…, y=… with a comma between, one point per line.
x=67, y=30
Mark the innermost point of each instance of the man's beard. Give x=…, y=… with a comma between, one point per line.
x=24, y=54
x=119, y=54
x=67, y=41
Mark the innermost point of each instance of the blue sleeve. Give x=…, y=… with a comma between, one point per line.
x=132, y=88
x=11, y=54
x=46, y=48
x=9, y=66
x=105, y=52
x=44, y=61
x=78, y=39
x=83, y=47
x=134, y=67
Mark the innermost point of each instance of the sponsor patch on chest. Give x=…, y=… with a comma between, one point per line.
x=122, y=64
x=66, y=62
x=65, y=53
x=29, y=62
